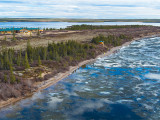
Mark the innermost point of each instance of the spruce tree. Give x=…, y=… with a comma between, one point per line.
x=19, y=58
x=13, y=38
x=26, y=61
x=5, y=38
x=30, y=34
x=12, y=76
x=38, y=32
x=1, y=64
x=57, y=57
x=39, y=61
x=45, y=54
x=6, y=61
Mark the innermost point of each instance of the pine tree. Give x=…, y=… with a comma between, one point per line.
x=51, y=55
x=26, y=61
x=30, y=34
x=12, y=76
x=57, y=57
x=45, y=54
x=38, y=32
x=13, y=38
x=1, y=64
x=11, y=67
x=19, y=58
x=5, y=38
x=11, y=55
x=6, y=61
x=39, y=61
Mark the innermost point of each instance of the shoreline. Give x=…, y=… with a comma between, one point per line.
x=45, y=84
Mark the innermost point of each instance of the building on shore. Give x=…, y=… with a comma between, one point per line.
x=101, y=43
x=20, y=30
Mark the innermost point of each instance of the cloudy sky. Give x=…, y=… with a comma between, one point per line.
x=97, y=9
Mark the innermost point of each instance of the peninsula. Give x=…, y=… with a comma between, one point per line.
x=32, y=62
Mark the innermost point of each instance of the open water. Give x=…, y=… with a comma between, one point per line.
x=122, y=86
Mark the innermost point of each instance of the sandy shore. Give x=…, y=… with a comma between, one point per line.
x=60, y=76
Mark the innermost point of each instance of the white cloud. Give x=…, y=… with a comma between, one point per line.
x=81, y=8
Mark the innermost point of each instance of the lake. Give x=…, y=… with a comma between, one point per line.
x=65, y=24
x=122, y=86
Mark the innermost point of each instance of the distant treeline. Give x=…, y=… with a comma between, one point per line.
x=92, y=27
x=49, y=29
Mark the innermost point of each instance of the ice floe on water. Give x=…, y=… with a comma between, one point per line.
x=148, y=107
x=153, y=76
x=142, y=57
x=126, y=80
x=124, y=101
x=105, y=93
x=53, y=94
x=121, y=88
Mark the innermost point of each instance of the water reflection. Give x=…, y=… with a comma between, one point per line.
x=122, y=86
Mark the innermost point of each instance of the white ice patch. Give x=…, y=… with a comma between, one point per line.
x=148, y=107
x=87, y=89
x=148, y=64
x=54, y=102
x=105, y=93
x=52, y=94
x=139, y=99
x=121, y=88
x=124, y=101
x=97, y=65
x=101, y=87
x=153, y=76
x=112, y=64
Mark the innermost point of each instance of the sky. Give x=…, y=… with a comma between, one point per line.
x=92, y=9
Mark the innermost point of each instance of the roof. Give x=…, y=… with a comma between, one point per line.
x=11, y=29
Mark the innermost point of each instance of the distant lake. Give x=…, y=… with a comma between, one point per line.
x=65, y=24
